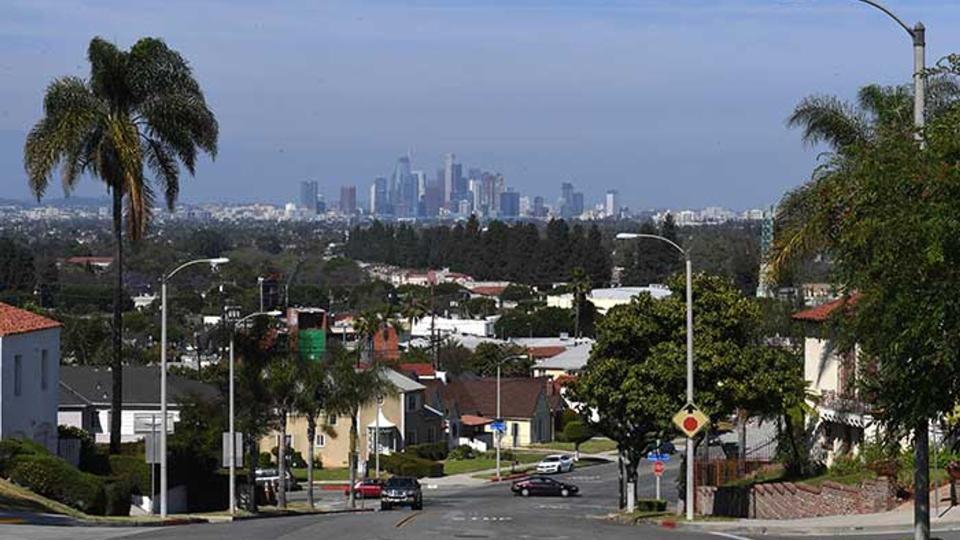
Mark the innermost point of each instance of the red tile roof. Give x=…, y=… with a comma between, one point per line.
x=488, y=291
x=20, y=321
x=540, y=353
x=418, y=369
x=823, y=312
x=473, y=420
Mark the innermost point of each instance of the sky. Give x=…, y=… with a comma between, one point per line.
x=674, y=103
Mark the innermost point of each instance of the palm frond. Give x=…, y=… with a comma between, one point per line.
x=107, y=73
x=827, y=119
x=160, y=160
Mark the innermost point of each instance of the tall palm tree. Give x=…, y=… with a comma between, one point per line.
x=285, y=385
x=139, y=108
x=580, y=285
x=311, y=401
x=351, y=389
x=414, y=308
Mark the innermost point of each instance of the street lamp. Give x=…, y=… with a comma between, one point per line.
x=499, y=419
x=918, y=36
x=686, y=256
x=233, y=437
x=163, y=370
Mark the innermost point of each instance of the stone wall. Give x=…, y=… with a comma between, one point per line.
x=789, y=500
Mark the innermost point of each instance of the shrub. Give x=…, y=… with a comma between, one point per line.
x=847, y=465
x=55, y=478
x=90, y=459
x=132, y=470
x=264, y=460
x=11, y=449
x=462, y=452
x=651, y=505
x=117, y=497
x=406, y=465
x=433, y=451
x=294, y=457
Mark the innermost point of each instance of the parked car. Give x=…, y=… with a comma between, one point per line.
x=401, y=491
x=273, y=475
x=368, y=488
x=667, y=447
x=556, y=463
x=543, y=486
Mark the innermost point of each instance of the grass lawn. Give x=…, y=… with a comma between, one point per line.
x=595, y=445
x=452, y=466
x=322, y=475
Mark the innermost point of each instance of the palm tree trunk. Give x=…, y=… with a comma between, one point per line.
x=253, y=456
x=352, y=460
x=282, y=461
x=311, y=434
x=116, y=402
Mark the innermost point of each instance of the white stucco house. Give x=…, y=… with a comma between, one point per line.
x=843, y=419
x=85, y=398
x=29, y=375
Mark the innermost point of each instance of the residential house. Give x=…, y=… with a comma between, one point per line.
x=86, y=394
x=404, y=418
x=843, y=420
x=527, y=405
x=29, y=371
x=568, y=362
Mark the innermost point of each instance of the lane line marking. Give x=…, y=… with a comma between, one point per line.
x=407, y=519
x=728, y=535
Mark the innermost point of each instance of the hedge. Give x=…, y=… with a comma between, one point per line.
x=133, y=470
x=433, y=451
x=651, y=505
x=55, y=478
x=11, y=449
x=462, y=452
x=406, y=465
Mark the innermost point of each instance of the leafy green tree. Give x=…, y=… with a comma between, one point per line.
x=285, y=385
x=16, y=266
x=488, y=354
x=480, y=307
x=312, y=395
x=580, y=288
x=139, y=109
x=577, y=432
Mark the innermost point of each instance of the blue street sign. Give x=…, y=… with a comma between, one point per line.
x=498, y=426
x=656, y=456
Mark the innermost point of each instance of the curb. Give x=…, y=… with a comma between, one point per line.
x=295, y=514
x=746, y=528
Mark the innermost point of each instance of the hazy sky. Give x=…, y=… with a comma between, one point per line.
x=676, y=103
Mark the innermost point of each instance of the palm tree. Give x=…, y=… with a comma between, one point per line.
x=580, y=285
x=285, y=385
x=414, y=308
x=139, y=108
x=310, y=401
x=351, y=389
x=805, y=215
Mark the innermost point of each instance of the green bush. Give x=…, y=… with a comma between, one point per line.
x=847, y=465
x=117, y=497
x=462, y=452
x=651, y=505
x=11, y=449
x=90, y=459
x=406, y=465
x=433, y=451
x=264, y=460
x=55, y=478
x=134, y=471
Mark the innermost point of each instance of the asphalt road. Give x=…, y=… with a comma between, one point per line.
x=488, y=511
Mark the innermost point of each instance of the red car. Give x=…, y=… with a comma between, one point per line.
x=369, y=488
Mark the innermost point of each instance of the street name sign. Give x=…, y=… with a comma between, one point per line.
x=690, y=420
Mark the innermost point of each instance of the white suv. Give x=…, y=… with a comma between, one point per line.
x=556, y=463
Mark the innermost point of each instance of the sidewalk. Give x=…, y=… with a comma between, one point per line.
x=894, y=521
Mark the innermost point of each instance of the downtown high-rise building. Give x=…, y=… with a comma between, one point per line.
x=348, y=200
x=308, y=196
x=509, y=204
x=571, y=202
x=379, y=202
x=611, y=204
x=449, y=185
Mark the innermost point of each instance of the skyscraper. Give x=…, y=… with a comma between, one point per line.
x=539, y=210
x=612, y=204
x=509, y=204
x=576, y=207
x=308, y=196
x=449, y=160
x=379, y=205
x=348, y=200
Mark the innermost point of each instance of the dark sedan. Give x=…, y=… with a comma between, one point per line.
x=543, y=486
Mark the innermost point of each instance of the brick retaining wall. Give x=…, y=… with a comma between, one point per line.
x=789, y=500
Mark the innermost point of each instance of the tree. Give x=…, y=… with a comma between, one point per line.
x=580, y=287
x=577, y=432
x=285, y=385
x=488, y=354
x=139, y=108
x=310, y=401
x=351, y=389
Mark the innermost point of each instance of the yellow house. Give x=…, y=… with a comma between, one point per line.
x=404, y=419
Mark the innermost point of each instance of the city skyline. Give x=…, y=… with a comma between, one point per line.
x=670, y=103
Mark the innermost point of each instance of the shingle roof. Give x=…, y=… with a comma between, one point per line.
x=478, y=397
x=403, y=384
x=572, y=359
x=141, y=385
x=418, y=369
x=823, y=312
x=14, y=320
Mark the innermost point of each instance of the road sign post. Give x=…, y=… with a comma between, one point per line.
x=658, y=468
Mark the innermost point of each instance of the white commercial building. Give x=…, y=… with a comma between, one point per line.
x=604, y=299
x=453, y=327
x=29, y=373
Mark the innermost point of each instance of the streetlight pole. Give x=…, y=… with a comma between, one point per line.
x=163, y=371
x=688, y=498
x=233, y=437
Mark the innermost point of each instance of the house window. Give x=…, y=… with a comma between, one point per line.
x=412, y=402
x=321, y=440
x=17, y=374
x=332, y=420
x=43, y=369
